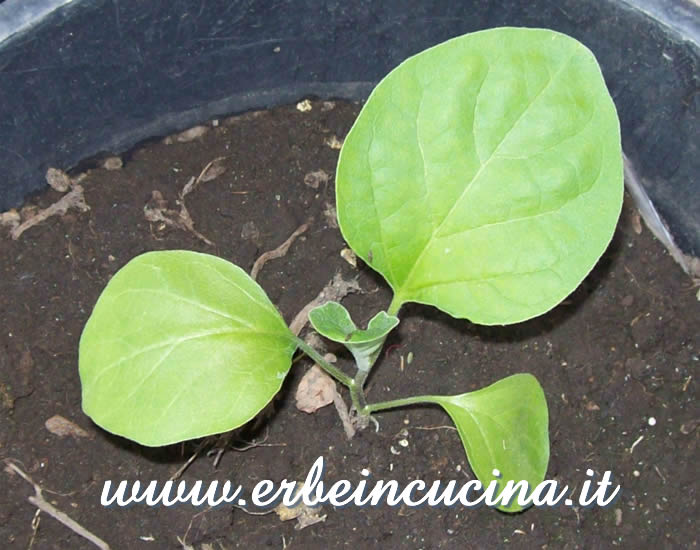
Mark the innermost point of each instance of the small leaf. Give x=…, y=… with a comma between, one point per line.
x=333, y=321
x=484, y=175
x=503, y=426
x=181, y=345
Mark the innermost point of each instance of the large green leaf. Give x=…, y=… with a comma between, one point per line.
x=181, y=345
x=484, y=175
x=503, y=426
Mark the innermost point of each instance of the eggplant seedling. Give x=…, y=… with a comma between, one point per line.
x=483, y=177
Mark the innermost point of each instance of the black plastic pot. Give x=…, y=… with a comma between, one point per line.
x=89, y=76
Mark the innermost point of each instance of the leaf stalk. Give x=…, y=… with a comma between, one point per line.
x=335, y=372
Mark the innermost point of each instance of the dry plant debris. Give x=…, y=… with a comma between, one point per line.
x=212, y=170
x=335, y=290
x=61, y=182
x=305, y=515
x=349, y=422
x=278, y=252
x=316, y=178
x=157, y=211
x=112, y=163
x=10, y=219
x=62, y=427
x=187, y=135
x=349, y=256
x=58, y=180
x=331, y=215
x=334, y=143
x=315, y=390
x=636, y=223
x=304, y=106
x=39, y=501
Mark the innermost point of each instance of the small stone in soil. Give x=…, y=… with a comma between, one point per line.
x=349, y=256
x=62, y=427
x=333, y=142
x=191, y=134
x=58, y=180
x=11, y=218
x=112, y=163
x=304, y=106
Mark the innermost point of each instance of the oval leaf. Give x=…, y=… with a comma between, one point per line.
x=181, y=345
x=484, y=175
x=333, y=321
x=505, y=427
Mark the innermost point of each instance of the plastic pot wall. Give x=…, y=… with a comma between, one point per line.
x=91, y=76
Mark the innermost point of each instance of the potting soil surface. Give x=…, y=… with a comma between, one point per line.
x=617, y=360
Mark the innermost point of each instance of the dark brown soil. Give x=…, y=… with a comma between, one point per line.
x=621, y=350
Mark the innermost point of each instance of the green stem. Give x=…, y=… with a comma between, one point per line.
x=394, y=306
x=335, y=372
x=357, y=392
x=394, y=403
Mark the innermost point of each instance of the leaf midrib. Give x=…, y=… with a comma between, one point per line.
x=494, y=154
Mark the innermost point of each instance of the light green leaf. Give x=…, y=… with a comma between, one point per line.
x=333, y=321
x=505, y=427
x=181, y=345
x=484, y=175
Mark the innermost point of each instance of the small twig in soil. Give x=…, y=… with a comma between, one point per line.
x=182, y=540
x=181, y=219
x=253, y=444
x=427, y=428
x=210, y=172
x=35, y=528
x=344, y=415
x=178, y=219
x=184, y=545
x=181, y=469
x=660, y=474
x=278, y=252
x=335, y=290
x=219, y=450
x=38, y=501
x=266, y=512
x=73, y=199
x=637, y=442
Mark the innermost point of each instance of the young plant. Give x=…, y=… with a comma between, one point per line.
x=483, y=176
